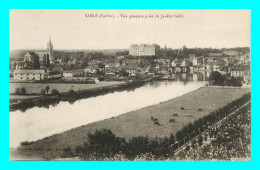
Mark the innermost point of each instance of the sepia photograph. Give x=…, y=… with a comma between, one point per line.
x=129, y=85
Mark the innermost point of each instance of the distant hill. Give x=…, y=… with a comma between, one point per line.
x=104, y=51
x=19, y=54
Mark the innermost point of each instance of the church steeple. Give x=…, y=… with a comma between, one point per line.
x=50, y=49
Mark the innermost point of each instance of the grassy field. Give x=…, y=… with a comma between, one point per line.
x=61, y=87
x=139, y=122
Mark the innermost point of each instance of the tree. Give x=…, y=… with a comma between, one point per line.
x=36, y=62
x=234, y=82
x=138, y=145
x=83, y=65
x=216, y=78
x=66, y=58
x=104, y=143
x=46, y=61
x=47, y=88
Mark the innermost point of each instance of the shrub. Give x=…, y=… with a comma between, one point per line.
x=47, y=88
x=101, y=78
x=117, y=157
x=42, y=91
x=17, y=91
x=144, y=157
x=67, y=153
x=25, y=143
x=22, y=91
x=72, y=93
x=55, y=92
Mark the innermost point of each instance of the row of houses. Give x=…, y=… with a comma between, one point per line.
x=133, y=67
x=25, y=75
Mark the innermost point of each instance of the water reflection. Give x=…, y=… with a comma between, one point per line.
x=186, y=77
x=37, y=123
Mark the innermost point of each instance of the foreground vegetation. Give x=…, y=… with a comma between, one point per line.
x=138, y=123
x=229, y=140
x=103, y=144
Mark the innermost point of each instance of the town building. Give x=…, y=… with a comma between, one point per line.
x=73, y=73
x=109, y=65
x=196, y=61
x=143, y=50
x=42, y=55
x=110, y=71
x=192, y=55
x=240, y=71
x=92, y=69
x=175, y=63
x=215, y=67
x=145, y=67
x=25, y=75
x=131, y=69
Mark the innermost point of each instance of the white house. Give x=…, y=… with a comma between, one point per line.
x=240, y=71
x=131, y=69
x=92, y=69
x=29, y=75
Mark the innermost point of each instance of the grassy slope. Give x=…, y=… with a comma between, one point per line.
x=139, y=122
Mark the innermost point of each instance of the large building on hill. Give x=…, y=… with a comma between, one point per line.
x=143, y=49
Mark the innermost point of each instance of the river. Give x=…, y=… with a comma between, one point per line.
x=37, y=123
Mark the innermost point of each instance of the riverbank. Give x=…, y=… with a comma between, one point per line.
x=73, y=94
x=136, y=123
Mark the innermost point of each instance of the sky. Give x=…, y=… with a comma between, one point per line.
x=73, y=29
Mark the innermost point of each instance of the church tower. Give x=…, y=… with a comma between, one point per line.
x=50, y=50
